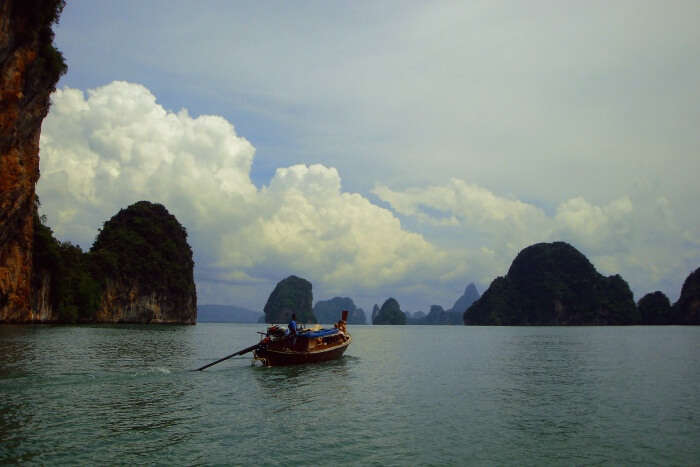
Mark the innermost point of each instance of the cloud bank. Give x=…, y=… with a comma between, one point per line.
x=638, y=236
x=105, y=150
x=115, y=145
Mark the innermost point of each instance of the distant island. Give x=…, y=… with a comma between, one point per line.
x=439, y=316
x=547, y=284
x=555, y=284
x=390, y=313
x=291, y=295
x=328, y=311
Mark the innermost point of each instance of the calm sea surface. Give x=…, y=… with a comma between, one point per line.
x=401, y=396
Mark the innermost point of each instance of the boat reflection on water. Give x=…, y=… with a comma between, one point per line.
x=278, y=348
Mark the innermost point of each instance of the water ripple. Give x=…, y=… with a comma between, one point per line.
x=401, y=396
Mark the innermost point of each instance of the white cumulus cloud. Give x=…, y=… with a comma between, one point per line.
x=105, y=150
x=637, y=236
x=114, y=145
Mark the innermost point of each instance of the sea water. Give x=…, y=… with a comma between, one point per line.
x=402, y=395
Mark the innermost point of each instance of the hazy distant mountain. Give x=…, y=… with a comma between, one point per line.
x=226, y=314
x=375, y=310
x=436, y=316
x=465, y=301
x=328, y=311
x=390, y=313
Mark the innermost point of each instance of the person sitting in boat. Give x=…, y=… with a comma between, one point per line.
x=292, y=331
x=293, y=325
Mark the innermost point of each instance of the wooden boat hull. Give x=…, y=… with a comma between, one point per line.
x=270, y=357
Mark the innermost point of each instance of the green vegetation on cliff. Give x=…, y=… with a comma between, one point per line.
x=291, y=295
x=390, y=313
x=74, y=290
x=144, y=243
x=552, y=284
x=37, y=18
x=142, y=249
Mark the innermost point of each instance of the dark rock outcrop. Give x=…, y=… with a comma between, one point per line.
x=329, y=311
x=291, y=295
x=437, y=315
x=554, y=284
x=145, y=265
x=390, y=313
x=29, y=69
x=655, y=308
x=687, y=309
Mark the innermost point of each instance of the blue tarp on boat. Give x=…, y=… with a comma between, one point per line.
x=319, y=333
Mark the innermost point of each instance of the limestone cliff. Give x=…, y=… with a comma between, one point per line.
x=145, y=266
x=29, y=70
x=129, y=302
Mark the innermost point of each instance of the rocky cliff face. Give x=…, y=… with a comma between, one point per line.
x=42, y=309
x=128, y=302
x=29, y=70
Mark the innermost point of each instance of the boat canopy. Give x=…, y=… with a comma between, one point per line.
x=319, y=333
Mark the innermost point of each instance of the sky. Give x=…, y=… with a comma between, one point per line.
x=383, y=149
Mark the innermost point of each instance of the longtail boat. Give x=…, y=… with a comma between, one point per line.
x=279, y=348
